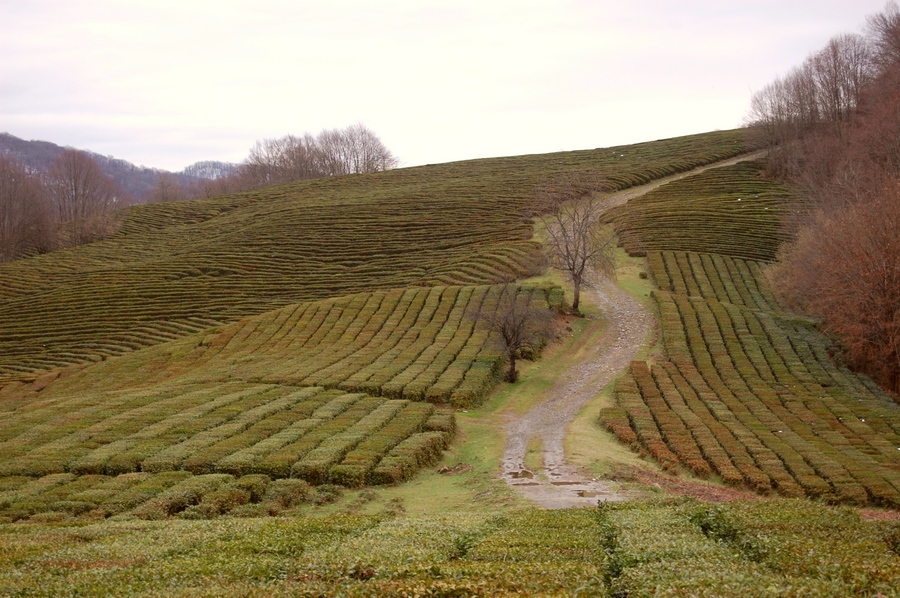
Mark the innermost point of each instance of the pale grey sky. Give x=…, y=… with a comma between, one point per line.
x=165, y=83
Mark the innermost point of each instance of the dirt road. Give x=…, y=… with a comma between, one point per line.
x=561, y=485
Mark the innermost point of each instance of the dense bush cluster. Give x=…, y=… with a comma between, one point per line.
x=658, y=548
x=831, y=127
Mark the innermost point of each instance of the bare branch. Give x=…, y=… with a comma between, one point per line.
x=578, y=243
x=517, y=327
x=82, y=196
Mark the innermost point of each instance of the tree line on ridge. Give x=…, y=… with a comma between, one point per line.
x=72, y=201
x=832, y=127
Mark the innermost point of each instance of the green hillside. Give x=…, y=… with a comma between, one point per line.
x=745, y=391
x=178, y=268
x=285, y=392
x=324, y=317
x=282, y=394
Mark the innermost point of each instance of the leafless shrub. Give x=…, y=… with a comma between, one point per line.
x=845, y=267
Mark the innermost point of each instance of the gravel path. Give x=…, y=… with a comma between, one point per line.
x=561, y=485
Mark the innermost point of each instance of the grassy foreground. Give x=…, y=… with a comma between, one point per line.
x=668, y=548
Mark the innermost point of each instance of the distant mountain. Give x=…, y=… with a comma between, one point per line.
x=136, y=181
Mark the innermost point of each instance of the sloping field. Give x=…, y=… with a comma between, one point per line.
x=182, y=267
x=262, y=377
x=329, y=389
x=281, y=394
x=418, y=343
x=747, y=393
x=729, y=211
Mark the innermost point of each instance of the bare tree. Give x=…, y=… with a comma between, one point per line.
x=167, y=188
x=840, y=71
x=365, y=151
x=786, y=108
x=884, y=31
x=81, y=195
x=577, y=241
x=516, y=326
x=25, y=219
x=276, y=161
x=332, y=152
x=822, y=93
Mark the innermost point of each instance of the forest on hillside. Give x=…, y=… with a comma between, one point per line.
x=53, y=197
x=832, y=127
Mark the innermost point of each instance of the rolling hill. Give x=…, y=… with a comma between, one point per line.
x=137, y=182
x=181, y=267
x=182, y=404
x=745, y=391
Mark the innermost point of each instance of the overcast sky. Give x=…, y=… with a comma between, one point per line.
x=167, y=83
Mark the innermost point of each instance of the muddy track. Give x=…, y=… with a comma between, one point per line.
x=561, y=485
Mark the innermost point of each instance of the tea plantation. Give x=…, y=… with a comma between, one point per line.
x=286, y=392
x=746, y=392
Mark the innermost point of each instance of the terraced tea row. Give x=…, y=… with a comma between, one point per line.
x=753, y=396
x=727, y=211
x=419, y=343
x=711, y=276
x=253, y=397
x=746, y=393
x=416, y=344
x=177, y=268
x=235, y=428
x=745, y=548
x=111, y=311
x=752, y=549
x=147, y=495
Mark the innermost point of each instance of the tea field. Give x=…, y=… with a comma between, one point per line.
x=649, y=548
x=730, y=211
x=178, y=268
x=745, y=392
x=286, y=392
x=330, y=391
x=304, y=331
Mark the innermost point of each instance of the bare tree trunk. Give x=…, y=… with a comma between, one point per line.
x=576, y=294
x=512, y=375
x=514, y=323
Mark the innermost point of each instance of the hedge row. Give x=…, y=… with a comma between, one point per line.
x=752, y=396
